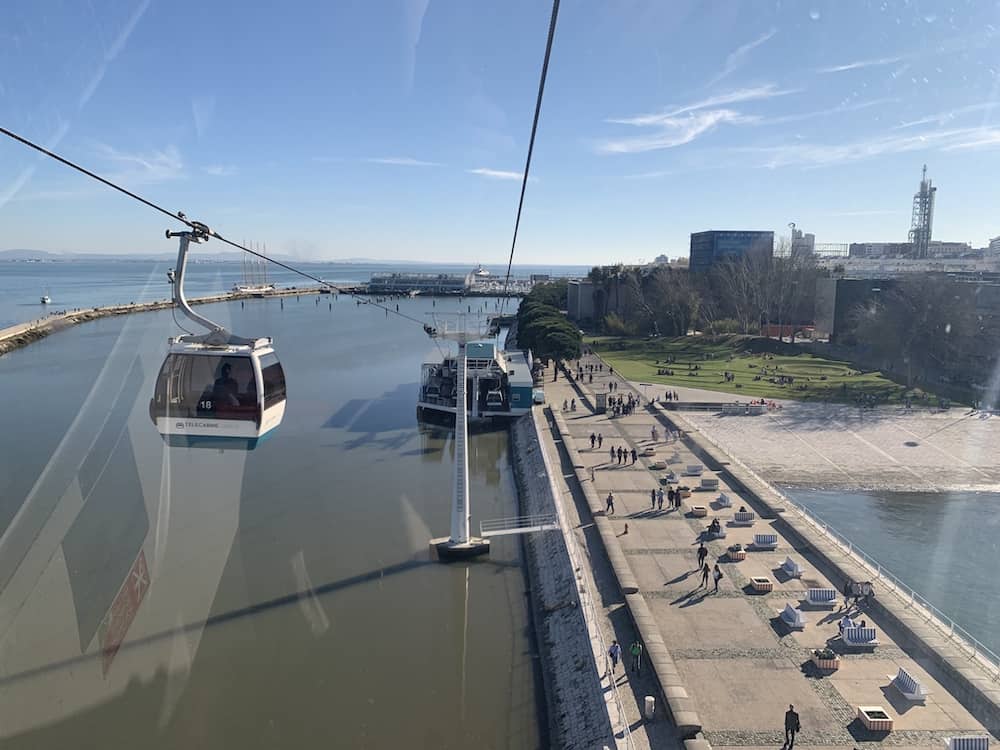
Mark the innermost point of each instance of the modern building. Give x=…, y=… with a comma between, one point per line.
x=837, y=301
x=580, y=299
x=994, y=248
x=709, y=248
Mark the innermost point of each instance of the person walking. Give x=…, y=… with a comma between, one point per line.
x=792, y=725
x=659, y=498
x=652, y=499
x=635, y=456
x=612, y=451
x=636, y=650
x=717, y=575
x=609, y=508
x=702, y=554
x=621, y=454
x=600, y=440
x=614, y=653
x=705, y=571
x=593, y=441
x=670, y=497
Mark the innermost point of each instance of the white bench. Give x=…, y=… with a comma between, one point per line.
x=693, y=470
x=793, y=618
x=977, y=742
x=765, y=541
x=744, y=518
x=822, y=597
x=709, y=483
x=725, y=501
x=859, y=637
x=909, y=687
x=791, y=568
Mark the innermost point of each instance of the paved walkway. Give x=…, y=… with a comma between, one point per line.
x=740, y=664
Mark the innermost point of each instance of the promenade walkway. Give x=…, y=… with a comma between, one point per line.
x=739, y=665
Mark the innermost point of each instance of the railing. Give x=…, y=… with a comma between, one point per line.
x=518, y=524
x=586, y=598
x=913, y=600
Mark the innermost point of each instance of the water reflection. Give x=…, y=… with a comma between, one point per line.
x=177, y=596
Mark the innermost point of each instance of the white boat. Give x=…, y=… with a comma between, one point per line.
x=255, y=281
x=499, y=383
x=46, y=299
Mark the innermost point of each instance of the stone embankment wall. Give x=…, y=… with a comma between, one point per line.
x=578, y=717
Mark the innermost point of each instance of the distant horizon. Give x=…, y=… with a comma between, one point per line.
x=12, y=255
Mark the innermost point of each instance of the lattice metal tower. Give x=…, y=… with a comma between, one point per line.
x=923, y=217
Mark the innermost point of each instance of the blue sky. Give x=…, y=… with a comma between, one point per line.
x=399, y=129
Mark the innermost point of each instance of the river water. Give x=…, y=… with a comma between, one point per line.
x=945, y=545
x=154, y=597
x=83, y=283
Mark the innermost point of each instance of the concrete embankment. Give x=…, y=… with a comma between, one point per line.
x=971, y=679
x=673, y=692
x=23, y=334
x=577, y=714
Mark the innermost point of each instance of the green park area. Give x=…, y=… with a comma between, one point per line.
x=758, y=367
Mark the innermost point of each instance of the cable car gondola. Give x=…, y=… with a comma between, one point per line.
x=215, y=389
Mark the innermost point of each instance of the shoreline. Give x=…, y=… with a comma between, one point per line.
x=22, y=334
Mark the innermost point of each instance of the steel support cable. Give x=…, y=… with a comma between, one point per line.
x=195, y=225
x=531, y=146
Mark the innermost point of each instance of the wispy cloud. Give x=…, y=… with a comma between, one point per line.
x=736, y=58
x=155, y=166
x=767, y=91
x=683, y=124
x=839, y=109
x=220, y=170
x=821, y=155
x=868, y=212
x=858, y=64
x=498, y=174
x=401, y=161
x=672, y=132
x=112, y=52
x=942, y=118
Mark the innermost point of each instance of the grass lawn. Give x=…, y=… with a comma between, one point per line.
x=757, y=364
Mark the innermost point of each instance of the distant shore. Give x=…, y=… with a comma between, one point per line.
x=22, y=334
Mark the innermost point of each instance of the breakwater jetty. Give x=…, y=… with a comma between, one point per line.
x=22, y=334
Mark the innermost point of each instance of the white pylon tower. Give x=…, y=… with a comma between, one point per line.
x=922, y=220
x=461, y=543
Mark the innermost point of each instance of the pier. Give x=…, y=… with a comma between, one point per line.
x=22, y=334
x=726, y=664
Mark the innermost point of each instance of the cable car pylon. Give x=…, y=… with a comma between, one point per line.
x=460, y=544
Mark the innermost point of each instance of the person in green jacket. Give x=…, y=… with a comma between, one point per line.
x=636, y=650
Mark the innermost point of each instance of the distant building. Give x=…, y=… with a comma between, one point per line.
x=933, y=249
x=580, y=299
x=540, y=278
x=880, y=249
x=709, y=248
x=425, y=283
x=661, y=260
x=802, y=244
x=838, y=299
x=994, y=248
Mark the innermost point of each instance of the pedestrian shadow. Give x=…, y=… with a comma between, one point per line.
x=692, y=599
x=678, y=579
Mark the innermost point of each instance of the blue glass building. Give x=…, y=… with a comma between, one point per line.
x=708, y=248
